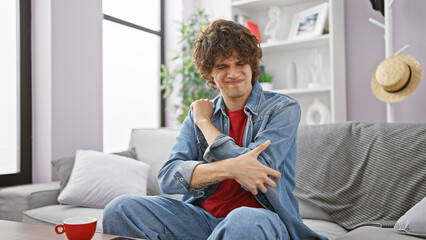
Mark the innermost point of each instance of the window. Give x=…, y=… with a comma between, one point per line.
x=15, y=93
x=132, y=56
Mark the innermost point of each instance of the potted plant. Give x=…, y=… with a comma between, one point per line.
x=265, y=79
x=192, y=87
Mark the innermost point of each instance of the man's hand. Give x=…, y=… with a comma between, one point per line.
x=252, y=174
x=202, y=110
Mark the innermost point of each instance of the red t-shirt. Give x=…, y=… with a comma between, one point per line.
x=229, y=195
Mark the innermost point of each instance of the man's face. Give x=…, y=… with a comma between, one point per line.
x=233, y=77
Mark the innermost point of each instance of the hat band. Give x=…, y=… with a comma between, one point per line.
x=405, y=85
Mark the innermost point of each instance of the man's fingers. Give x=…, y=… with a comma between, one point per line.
x=275, y=174
x=263, y=188
x=270, y=183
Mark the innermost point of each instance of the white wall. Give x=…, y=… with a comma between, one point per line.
x=67, y=80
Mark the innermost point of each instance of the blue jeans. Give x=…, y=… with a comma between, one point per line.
x=158, y=217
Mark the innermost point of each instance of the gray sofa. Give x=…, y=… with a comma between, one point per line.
x=338, y=172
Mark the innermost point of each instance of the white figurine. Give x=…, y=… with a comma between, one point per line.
x=273, y=24
x=315, y=65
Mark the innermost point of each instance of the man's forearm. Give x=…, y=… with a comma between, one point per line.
x=208, y=174
x=209, y=131
x=245, y=169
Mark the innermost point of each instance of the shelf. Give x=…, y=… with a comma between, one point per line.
x=302, y=90
x=289, y=45
x=259, y=5
x=279, y=54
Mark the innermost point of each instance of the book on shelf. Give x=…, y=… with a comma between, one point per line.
x=254, y=29
x=252, y=26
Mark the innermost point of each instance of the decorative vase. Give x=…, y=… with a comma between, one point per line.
x=317, y=113
x=291, y=75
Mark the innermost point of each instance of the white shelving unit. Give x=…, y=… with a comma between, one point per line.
x=278, y=55
x=294, y=91
x=291, y=45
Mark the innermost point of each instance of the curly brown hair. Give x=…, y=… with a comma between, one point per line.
x=220, y=39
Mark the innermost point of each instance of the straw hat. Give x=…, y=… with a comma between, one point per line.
x=396, y=78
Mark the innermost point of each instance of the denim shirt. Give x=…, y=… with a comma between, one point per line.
x=270, y=116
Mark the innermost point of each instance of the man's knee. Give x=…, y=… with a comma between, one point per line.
x=244, y=220
x=112, y=212
x=115, y=207
x=247, y=215
x=117, y=211
x=249, y=223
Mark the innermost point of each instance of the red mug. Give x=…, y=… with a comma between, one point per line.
x=80, y=228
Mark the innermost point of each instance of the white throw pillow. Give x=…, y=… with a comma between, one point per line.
x=414, y=220
x=97, y=178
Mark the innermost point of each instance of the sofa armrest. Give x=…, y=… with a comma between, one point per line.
x=14, y=200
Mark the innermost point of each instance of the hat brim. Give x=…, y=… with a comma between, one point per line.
x=416, y=75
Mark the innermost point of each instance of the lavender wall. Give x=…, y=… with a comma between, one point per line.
x=41, y=90
x=66, y=80
x=365, y=49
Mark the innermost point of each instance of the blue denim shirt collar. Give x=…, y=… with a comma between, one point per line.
x=251, y=105
x=220, y=106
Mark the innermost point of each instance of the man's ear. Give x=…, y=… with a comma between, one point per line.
x=212, y=79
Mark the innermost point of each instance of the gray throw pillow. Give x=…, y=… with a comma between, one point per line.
x=413, y=222
x=63, y=166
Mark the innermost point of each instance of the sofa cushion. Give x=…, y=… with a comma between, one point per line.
x=97, y=178
x=325, y=228
x=63, y=166
x=376, y=233
x=309, y=211
x=153, y=147
x=56, y=214
x=414, y=220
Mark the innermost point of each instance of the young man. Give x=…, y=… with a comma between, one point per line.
x=233, y=159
